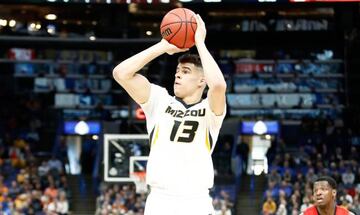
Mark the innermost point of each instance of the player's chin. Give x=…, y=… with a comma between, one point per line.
x=320, y=202
x=177, y=92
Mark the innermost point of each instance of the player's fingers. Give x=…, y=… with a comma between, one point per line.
x=179, y=49
x=184, y=50
x=199, y=20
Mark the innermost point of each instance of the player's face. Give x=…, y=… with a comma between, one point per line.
x=188, y=79
x=323, y=193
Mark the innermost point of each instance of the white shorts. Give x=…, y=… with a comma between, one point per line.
x=160, y=202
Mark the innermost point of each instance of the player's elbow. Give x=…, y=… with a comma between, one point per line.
x=116, y=72
x=119, y=73
x=220, y=86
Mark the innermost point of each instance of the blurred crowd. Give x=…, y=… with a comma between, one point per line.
x=30, y=187
x=30, y=183
x=120, y=199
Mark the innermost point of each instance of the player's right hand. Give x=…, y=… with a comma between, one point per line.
x=170, y=48
x=200, y=33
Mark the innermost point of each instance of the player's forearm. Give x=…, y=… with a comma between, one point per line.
x=213, y=75
x=127, y=68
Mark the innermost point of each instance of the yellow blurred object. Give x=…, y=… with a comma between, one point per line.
x=20, y=143
x=18, y=163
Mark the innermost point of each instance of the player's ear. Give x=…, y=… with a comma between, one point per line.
x=334, y=193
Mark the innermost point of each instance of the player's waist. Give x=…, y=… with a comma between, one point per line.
x=180, y=192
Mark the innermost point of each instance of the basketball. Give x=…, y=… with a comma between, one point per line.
x=178, y=27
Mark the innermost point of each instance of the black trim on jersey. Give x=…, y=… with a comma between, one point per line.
x=186, y=105
x=151, y=135
x=210, y=141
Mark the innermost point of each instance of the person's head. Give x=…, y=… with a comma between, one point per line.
x=324, y=191
x=269, y=199
x=284, y=183
x=189, y=76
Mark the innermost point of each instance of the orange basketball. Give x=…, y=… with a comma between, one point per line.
x=178, y=27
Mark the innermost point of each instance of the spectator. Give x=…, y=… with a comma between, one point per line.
x=14, y=190
x=22, y=176
x=274, y=177
x=311, y=176
x=286, y=188
x=305, y=204
x=35, y=203
x=5, y=207
x=62, y=206
x=282, y=208
x=348, y=178
x=21, y=202
x=55, y=164
x=3, y=188
x=288, y=176
x=269, y=206
x=294, y=203
x=51, y=191
x=51, y=208
x=346, y=201
x=43, y=169
x=272, y=190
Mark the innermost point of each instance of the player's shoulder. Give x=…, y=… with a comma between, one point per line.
x=159, y=93
x=158, y=89
x=309, y=210
x=343, y=211
x=205, y=102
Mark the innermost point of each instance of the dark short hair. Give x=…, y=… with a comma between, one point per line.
x=190, y=58
x=331, y=181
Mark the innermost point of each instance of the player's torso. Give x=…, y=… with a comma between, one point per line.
x=180, y=143
x=181, y=128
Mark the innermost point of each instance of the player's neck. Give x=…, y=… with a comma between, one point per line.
x=328, y=210
x=193, y=99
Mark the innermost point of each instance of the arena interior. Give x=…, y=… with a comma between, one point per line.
x=292, y=69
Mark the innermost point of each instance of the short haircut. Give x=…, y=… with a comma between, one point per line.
x=190, y=58
x=331, y=181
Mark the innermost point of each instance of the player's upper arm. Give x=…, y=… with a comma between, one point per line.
x=217, y=98
x=137, y=86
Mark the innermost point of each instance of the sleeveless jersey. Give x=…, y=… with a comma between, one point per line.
x=182, y=140
x=313, y=211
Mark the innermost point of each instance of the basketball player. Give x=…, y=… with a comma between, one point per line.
x=324, y=192
x=182, y=129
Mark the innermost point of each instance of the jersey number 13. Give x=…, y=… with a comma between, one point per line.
x=189, y=130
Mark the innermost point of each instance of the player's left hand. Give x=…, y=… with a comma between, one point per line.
x=200, y=33
x=170, y=48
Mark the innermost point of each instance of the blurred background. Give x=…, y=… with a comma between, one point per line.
x=292, y=71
